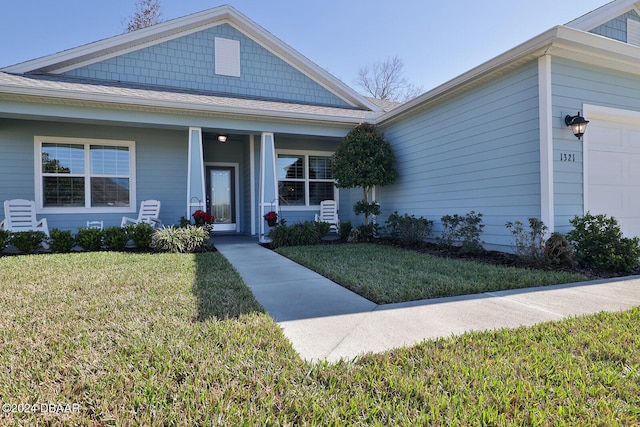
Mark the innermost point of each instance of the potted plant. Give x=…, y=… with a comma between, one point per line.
x=203, y=218
x=272, y=218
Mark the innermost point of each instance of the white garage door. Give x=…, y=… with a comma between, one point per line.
x=613, y=172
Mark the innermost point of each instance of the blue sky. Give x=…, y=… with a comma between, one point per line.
x=437, y=40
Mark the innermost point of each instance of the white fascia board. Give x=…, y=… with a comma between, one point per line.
x=602, y=15
x=128, y=42
x=125, y=42
x=556, y=42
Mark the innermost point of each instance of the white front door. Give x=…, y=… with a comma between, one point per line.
x=221, y=197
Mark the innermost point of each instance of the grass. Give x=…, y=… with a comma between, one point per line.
x=386, y=274
x=177, y=339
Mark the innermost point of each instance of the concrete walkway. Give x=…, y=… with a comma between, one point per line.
x=325, y=321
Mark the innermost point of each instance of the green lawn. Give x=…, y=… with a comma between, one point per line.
x=176, y=339
x=386, y=274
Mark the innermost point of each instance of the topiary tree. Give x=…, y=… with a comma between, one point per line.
x=364, y=159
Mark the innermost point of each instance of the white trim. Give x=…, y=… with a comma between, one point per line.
x=86, y=142
x=602, y=15
x=546, y=142
x=633, y=32
x=236, y=172
x=252, y=186
x=267, y=136
x=190, y=196
x=306, y=153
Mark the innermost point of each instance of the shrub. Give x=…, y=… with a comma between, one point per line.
x=115, y=238
x=5, y=237
x=462, y=230
x=557, y=250
x=141, y=234
x=90, y=239
x=27, y=242
x=530, y=244
x=300, y=234
x=345, y=229
x=599, y=243
x=61, y=242
x=408, y=230
x=181, y=239
x=364, y=233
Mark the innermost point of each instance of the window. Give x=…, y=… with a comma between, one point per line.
x=76, y=175
x=304, y=179
x=633, y=32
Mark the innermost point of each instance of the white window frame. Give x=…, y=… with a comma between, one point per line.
x=87, y=143
x=306, y=180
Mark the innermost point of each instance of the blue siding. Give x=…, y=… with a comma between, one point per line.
x=188, y=63
x=477, y=152
x=161, y=163
x=573, y=85
x=617, y=28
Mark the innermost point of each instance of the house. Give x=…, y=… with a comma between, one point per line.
x=212, y=112
x=494, y=139
x=208, y=112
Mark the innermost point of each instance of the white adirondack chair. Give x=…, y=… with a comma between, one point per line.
x=20, y=215
x=149, y=213
x=329, y=213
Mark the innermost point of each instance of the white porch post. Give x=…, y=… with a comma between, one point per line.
x=268, y=181
x=196, y=197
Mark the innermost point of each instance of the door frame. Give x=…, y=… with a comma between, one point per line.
x=235, y=226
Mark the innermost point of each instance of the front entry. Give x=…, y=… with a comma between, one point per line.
x=221, y=197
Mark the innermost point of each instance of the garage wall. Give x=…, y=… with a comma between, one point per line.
x=477, y=152
x=575, y=87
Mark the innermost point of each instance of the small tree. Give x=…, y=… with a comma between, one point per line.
x=384, y=80
x=147, y=14
x=364, y=159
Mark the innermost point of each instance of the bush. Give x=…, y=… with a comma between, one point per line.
x=61, y=242
x=90, y=239
x=185, y=239
x=408, y=230
x=115, y=238
x=364, y=233
x=5, y=237
x=599, y=243
x=462, y=230
x=529, y=245
x=27, y=242
x=345, y=229
x=300, y=234
x=141, y=234
x=557, y=250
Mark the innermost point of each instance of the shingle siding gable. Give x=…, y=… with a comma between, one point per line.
x=617, y=28
x=188, y=63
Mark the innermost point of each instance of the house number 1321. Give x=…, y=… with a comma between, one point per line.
x=567, y=157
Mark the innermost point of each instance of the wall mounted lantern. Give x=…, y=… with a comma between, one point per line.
x=578, y=124
x=222, y=138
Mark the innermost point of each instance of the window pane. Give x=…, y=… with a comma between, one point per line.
x=62, y=158
x=63, y=191
x=319, y=191
x=290, y=167
x=320, y=167
x=109, y=192
x=109, y=160
x=291, y=193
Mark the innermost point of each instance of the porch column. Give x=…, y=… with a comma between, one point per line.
x=268, y=182
x=196, y=197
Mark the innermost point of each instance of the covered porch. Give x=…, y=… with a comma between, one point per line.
x=238, y=176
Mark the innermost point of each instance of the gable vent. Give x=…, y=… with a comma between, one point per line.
x=633, y=32
x=227, y=57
